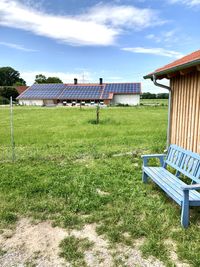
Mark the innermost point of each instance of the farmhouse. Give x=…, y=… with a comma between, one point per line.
x=184, y=100
x=86, y=94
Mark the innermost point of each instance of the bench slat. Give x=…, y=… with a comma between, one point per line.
x=170, y=184
x=175, y=181
x=184, y=161
x=170, y=191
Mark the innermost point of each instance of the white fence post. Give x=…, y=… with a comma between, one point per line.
x=12, y=130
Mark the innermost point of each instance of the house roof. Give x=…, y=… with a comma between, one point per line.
x=21, y=89
x=188, y=61
x=79, y=91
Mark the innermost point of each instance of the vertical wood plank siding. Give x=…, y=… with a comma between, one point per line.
x=185, y=111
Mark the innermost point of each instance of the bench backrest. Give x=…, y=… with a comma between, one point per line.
x=184, y=161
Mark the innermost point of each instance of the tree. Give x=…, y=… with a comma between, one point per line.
x=7, y=92
x=9, y=76
x=148, y=96
x=163, y=96
x=20, y=82
x=154, y=96
x=40, y=78
x=53, y=80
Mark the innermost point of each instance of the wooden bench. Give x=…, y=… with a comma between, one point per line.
x=183, y=162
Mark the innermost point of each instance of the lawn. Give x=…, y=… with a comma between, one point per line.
x=152, y=102
x=74, y=172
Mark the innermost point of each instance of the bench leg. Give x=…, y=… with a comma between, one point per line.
x=185, y=209
x=144, y=177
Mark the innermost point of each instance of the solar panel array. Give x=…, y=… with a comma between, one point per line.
x=64, y=92
x=122, y=88
x=43, y=91
x=81, y=92
x=105, y=95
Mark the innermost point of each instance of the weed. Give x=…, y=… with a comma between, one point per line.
x=72, y=249
x=2, y=252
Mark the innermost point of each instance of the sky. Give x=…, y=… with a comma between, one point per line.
x=120, y=41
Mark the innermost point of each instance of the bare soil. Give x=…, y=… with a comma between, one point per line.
x=37, y=244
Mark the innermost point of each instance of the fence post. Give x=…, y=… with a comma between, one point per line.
x=12, y=130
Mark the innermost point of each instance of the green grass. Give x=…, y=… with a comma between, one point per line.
x=63, y=159
x=163, y=102
x=73, y=250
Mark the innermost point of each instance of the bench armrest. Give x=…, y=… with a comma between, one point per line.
x=161, y=157
x=191, y=187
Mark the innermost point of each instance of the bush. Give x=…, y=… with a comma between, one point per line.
x=7, y=92
x=4, y=101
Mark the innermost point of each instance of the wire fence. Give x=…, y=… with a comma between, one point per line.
x=7, y=142
x=23, y=138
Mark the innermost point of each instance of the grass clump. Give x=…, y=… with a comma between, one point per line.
x=72, y=249
x=7, y=217
x=2, y=252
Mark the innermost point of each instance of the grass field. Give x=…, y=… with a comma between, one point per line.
x=163, y=102
x=72, y=171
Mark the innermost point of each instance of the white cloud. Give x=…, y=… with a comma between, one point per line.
x=166, y=37
x=124, y=16
x=68, y=77
x=17, y=46
x=154, y=51
x=190, y=3
x=99, y=25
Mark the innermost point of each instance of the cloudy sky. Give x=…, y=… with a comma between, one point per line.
x=117, y=40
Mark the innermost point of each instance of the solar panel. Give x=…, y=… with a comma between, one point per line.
x=48, y=86
x=106, y=95
x=81, y=92
x=123, y=88
x=43, y=91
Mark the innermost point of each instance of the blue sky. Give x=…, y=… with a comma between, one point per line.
x=118, y=40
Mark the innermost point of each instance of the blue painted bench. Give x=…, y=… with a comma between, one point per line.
x=183, y=162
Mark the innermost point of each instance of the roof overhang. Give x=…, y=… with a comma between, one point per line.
x=166, y=73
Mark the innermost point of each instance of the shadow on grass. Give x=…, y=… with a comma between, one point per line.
x=107, y=121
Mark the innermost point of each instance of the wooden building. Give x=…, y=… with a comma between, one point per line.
x=184, y=101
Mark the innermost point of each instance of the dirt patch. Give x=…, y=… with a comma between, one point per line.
x=99, y=255
x=32, y=243
x=37, y=244
x=173, y=255
x=102, y=255
x=131, y=257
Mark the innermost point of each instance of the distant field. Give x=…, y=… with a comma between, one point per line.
x=154, y=102
x=74, y=172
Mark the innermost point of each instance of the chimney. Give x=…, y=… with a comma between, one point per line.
x=100, y=81
x=75, y=81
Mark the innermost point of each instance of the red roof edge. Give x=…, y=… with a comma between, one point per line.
x=190, y=60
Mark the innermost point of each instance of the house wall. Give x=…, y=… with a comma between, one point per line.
x=31, y=102
x=106, y=102
x=50, y=102
x=185, y=111
x=126, y=99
